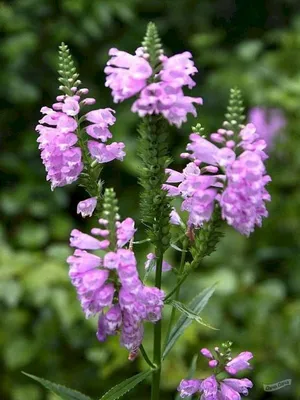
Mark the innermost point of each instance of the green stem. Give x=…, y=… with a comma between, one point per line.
x=176, y=290
x=157, y=336
x=146, y=358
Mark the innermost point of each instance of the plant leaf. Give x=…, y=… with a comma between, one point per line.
x=62, y=391
x=190, y=375
x=189, y=313
x=195, y=306
x=178, y=248
x=122, y=388
x=152, y=266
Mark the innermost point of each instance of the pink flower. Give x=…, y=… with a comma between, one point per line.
x=239, y=385
x=103, y=117
x=214, y=388
x=239, y=363
x=71, y=106
x=206, y=353
x=86, y=242
x=243, y=200
x=234, y=176
x=175, y=218
x=105, y=153
x=122, y=307
x=126, y=74
x=61, y=158
x=87, y=207
x=125, y=231
x=166, y=99
x=209, y=386
x=269, y=123
x=95, y=131
x=202, y=149
x=58, y=138
x=188, y=387
x=178, y=69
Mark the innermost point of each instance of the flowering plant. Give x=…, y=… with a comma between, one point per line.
x=225, y=179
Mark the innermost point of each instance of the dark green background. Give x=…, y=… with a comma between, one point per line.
x=254, y=45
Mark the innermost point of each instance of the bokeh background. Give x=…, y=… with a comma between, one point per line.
x=254, y=45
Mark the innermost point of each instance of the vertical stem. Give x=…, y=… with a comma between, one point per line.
x=177, y=292
x=155, y=389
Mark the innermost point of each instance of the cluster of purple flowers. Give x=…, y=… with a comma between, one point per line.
x=269, y=123
x=59, y=135
x=128, y=75
x=234, y=176
x=110, y=286
x=225, y=389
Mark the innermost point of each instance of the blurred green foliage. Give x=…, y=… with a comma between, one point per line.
x=235, y=43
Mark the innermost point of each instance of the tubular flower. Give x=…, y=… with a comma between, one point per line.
x=234, y=176
x=59, y=137
x=128, y=75
x=87, y=207
x=109, y=285
x=213, y=388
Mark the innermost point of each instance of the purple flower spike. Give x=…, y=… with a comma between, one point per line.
x=189, y=387
x=239, y=363
x=233, y=176
x=212, y=388
x=128, y=75
x=243, y=201
x=269, y=123
x=61, y=158
x=122, y=307
x=87, y=207
x=58, y=138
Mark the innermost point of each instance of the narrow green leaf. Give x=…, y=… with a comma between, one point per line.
x=190, y=375
x=122, y=388
x=61, y=391
x=178, y=248
x=196, y=306
x=189, y=313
